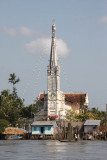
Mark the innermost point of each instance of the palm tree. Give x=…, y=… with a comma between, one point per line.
x=13, y=79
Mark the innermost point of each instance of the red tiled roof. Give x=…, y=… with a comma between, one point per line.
x=41, y=98
x=75, y=98
x=69, y=98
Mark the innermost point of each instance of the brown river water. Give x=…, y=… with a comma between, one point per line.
x=52, y=149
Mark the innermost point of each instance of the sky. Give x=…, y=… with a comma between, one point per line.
x=25, y=38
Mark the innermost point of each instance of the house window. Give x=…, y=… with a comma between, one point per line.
x=49, y=128
x=34, y=128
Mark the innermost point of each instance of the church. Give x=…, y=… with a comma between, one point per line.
x=56, y=103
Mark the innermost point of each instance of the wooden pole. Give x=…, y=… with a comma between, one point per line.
x=64, y=131
x=69, y=124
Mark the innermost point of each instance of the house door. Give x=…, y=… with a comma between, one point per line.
x=42, y=129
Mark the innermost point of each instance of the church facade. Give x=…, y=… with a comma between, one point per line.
x=56, y=103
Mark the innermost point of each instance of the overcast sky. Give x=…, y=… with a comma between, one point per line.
x=25, y=37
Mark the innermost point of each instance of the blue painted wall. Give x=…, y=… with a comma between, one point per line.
x=47, y=130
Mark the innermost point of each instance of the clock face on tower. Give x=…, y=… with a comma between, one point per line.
x=53, y=95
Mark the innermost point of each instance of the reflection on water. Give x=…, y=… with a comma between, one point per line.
x=45, y=150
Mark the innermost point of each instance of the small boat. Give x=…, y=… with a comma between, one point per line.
x=16, y=137
x=67, y=141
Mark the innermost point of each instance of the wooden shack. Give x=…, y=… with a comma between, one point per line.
x=91, y=125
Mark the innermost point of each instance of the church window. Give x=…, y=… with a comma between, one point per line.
x=53, y=84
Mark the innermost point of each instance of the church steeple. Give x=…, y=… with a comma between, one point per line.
x=53, y=56
x=53, y=67
x=53, y=77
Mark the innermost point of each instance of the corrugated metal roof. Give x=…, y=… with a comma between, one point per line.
x=92, y=122
x=44, y=123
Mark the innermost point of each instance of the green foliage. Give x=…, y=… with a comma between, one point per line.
x=3, y=124
x=99, y=115
x=71, y=116
x=29, y=111
x=83, y=117
x=13, y=79
x=10, y=107
x=92, y=113
x=41, y=119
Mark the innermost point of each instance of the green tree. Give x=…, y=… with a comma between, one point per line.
x=82, y=117
x=14, y=80
x=71, y=116
x=29, y=111
x=10, y=107
x=3, y=124
x=99, y=115
x=75, y=117
x=93, y=114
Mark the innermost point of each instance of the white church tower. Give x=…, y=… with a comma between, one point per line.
x=55, y=102
x=53, y=72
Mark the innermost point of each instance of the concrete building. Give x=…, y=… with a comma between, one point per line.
x=55, y=102
x=44, y=127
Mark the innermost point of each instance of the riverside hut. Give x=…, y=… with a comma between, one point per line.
x=44, y=128
x=91, y=125
x=14, y=133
